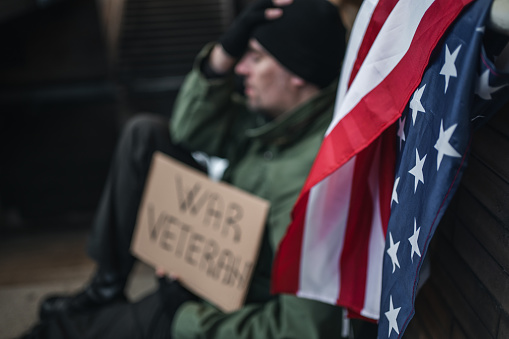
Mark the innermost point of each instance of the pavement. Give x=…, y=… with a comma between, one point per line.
x=36, y=261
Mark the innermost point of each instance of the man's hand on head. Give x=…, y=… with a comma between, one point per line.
x=234, y=41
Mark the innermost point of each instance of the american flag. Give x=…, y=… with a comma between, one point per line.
x=459, y=91
x=336, y=244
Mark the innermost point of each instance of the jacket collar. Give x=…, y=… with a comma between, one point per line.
x=288, y=127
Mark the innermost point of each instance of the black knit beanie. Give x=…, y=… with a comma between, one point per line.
x=308, y=39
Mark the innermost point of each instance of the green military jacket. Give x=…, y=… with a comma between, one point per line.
x=270, y=159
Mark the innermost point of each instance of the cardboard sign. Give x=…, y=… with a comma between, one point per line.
x=207, y=233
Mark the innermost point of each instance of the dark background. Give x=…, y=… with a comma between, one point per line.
x=67, y=85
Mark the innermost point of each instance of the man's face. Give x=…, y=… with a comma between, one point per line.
x=268, y=86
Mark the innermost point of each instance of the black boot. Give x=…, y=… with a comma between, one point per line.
x=39, y=331
x=103, y=290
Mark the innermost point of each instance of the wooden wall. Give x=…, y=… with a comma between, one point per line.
x=467, y=295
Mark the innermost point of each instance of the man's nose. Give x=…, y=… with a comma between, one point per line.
x=242, y=68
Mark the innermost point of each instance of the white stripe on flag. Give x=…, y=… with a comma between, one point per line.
x=356, y=36
x=324, y=229
x=387, y=51
x=373, y=290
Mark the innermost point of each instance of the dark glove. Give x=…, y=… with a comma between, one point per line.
x=173, y=295
x=236, y=38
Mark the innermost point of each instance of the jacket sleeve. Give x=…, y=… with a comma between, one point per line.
x=207, y=112
x=283, y=317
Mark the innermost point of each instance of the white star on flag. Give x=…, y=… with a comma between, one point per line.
x=401, y=131
x=413, y=241
x=443, y=146
x=416, y=171
x=415, y=104
x=394, y=192
x=392, y=316
x=480, y=29
x=393, y=253
x=449, y=68
x=482, y=86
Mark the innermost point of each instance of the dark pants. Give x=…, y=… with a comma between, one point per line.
x=116, y=215
x=141, y=320
x=111, y=238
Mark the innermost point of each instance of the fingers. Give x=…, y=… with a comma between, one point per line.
x=274, y=13
x=281, y=2
x=173, y=276
x=160, y=273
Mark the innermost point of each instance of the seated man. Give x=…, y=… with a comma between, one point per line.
x=289, y=54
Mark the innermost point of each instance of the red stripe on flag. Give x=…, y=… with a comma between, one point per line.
x=354, y=261
x=387, y=170
x=354, y=258
x=380, y=14
x=381, y=107
x=289, y=265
